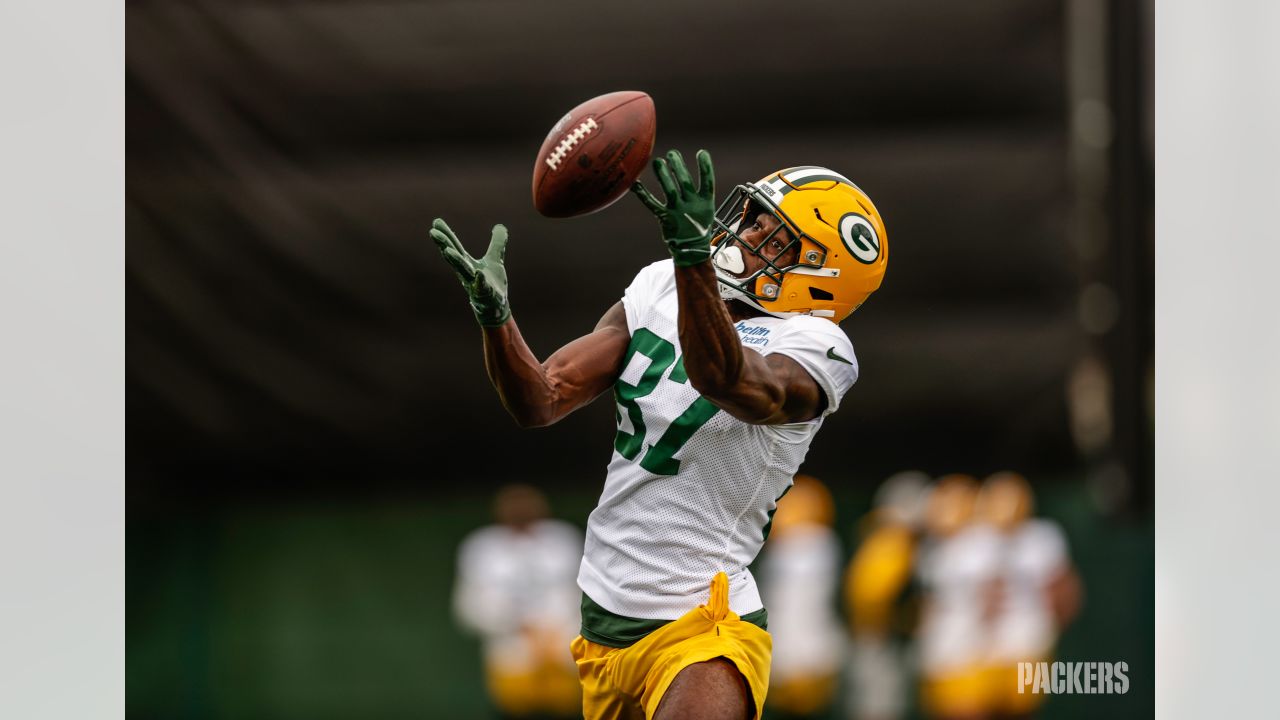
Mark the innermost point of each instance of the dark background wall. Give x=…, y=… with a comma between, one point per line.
x=289, y=317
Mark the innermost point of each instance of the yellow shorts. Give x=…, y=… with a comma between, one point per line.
x=1002, y=689
x=549, y=689
x=979, y=690
x=807, y=695
x=628, y=683
x=959, y=692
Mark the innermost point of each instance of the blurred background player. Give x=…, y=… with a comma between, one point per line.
x=1035, y=594
x=799, y=572
x=516, y=589
x=958, y=563
x=880, y=598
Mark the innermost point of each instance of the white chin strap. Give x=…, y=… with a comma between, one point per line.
x=728, y=292
x=728, y=262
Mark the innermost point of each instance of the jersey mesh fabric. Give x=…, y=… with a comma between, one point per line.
x=655, y=541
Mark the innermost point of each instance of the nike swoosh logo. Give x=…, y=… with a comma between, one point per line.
x=831, y=353
x=701, y=229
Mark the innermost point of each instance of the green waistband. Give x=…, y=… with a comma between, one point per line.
x=612, y=630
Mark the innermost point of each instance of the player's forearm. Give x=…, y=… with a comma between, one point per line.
x=714, y=360
x=713, y=357
x=522, y=382
x=541, y=393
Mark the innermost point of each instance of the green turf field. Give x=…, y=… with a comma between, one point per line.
x=342, y=611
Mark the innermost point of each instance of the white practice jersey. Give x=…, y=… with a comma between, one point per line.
x=1032, y=556
x=509, y=580
x=689, y=488
x=957, y=573
x=800, y=580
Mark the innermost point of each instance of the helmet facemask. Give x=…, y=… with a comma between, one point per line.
x=761, y=287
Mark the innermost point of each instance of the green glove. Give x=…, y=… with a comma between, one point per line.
x=688, y=218
x=484, y=278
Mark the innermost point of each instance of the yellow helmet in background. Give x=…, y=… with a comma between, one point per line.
x=951, y=504
x=843, y=246
x=806, y=502
x=1005, y=501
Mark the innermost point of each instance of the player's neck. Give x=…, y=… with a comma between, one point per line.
x=739, y=310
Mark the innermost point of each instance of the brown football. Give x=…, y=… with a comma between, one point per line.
x=591, y=157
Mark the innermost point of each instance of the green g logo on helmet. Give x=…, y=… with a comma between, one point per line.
x=859, y=237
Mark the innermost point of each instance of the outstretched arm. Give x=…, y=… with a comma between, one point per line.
x=755, y=388
x=535, y=393
x=751, y=387
x=538, y=394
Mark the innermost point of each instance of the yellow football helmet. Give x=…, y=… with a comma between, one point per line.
x=950, y=504
x=843, y=247
x=1005, y=501
x=806, y=502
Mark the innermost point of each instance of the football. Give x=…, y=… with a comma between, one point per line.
x=593, y=154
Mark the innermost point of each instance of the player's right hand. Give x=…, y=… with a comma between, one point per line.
x=688, y=216
x=484, y=278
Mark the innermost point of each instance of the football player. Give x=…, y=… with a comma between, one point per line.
x=515, y=589
x=799, y=578
x=1037, y=590
x=723, y=362
x=881, y=600
x=958, y=563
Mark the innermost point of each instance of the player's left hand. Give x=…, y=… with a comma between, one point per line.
x=688, y=217
x=484, y=278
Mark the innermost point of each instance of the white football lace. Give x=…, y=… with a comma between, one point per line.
x=584, y=129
